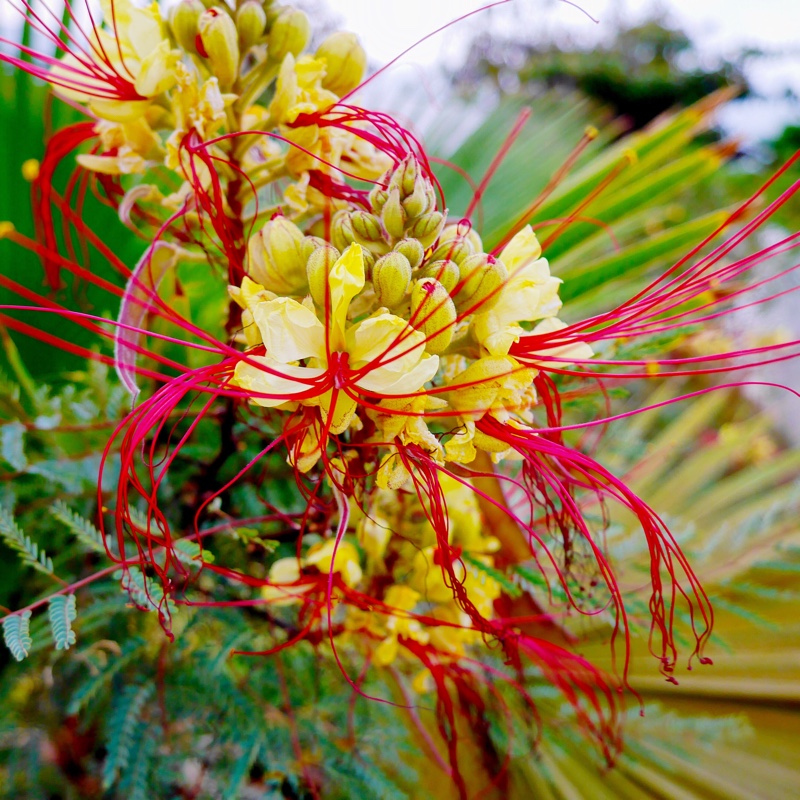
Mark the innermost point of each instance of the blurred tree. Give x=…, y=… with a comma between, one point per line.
x=640, y=73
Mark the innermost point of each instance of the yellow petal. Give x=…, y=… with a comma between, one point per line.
x=277, y=380
x=386, y=337
x=338, y=414
x=157, y=71
x=386, y=652
x=404, y=366
x=290, y=331
x=346, y=280
x=523, y=247
x=345, y=562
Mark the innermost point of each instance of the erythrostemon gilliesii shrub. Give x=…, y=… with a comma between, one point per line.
x=350, y=414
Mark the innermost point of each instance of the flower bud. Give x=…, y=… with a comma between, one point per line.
x=464, y=232
x=310, y=244
x=433, y=313
x=421, y=200
x=289, y=34
x=378, y=196
x=345, y=62
x=184, y=20
x=251, y=23
x=482, y=277
x=406, y=175
x=367, y=228
x=276, y=257
x=342, y=233
x=220, y=44
x=426, y=228
x=391, y=277
x=393, y=214
x=412, y=250
x=451, y=250
x=318, y=268
x=446, y=272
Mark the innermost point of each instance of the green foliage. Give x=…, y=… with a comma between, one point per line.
x=12, y=445
x=28, y=550
x=61, y=611
x=123, y=723
x=16, y=634
x=83, y=530
x=508, y=585
x=97, y=686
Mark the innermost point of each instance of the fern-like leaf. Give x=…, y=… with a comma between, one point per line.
x=62, y=612
x=16, y=634
x=91, y=690
x=28, y=550
x=142, y=592
x=12, y=445
x=135, y=781
x=189, y=552
x=83, y=530
x=122, y=725
x=509, y=587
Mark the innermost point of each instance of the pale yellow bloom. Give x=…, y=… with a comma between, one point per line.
x=292, y=332
x=530, y=293
x=344, y=562
x=136, y=44
x=401, y=598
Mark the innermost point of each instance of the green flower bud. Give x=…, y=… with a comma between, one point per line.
x=378, y=196
x=433, y=313
x=183, y=20
x=446, y=272
x=452, y=250
x=346, y=62
x=318, y=268
x=482, y=277
x=412, y=250
x=342, y=233
x=464, y=233
x=289, y=34
x=220, y=45
x=276, y=257
x=426, y=228
x=393, y=214
x=406, y=175
x=391, y=277
x=367, y=228
x=311, y=243
x=251, y=23
x=421, y=200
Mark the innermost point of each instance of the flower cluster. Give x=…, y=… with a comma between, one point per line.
x=408, y=375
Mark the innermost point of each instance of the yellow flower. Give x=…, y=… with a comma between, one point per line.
x=299, y=89
x=197, y=107
x=136, y=46
x=135, y=143
x=529, y=294
x=345, y=561
x=283, y=573
x=403, y=599
x=385, y=356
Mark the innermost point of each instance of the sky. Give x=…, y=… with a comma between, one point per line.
x=720, y=27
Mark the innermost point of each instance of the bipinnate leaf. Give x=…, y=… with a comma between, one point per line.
x=16, y=634
x=61, y=611
x=17, y=540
